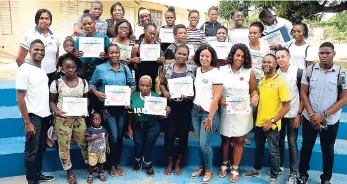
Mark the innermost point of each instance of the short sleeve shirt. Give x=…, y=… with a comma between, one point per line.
x=137, y=105
x=257, y=58
x=66, y=91
x=98, y=145
x=204, y=83
x=272, y=93
x=34, y=81
x=51, y=42
x=298, y=53
x=170, y=51
x=100, y=25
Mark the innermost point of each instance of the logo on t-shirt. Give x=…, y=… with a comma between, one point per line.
x=204, y=80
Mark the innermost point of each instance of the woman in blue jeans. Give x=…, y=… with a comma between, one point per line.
x=113, y=72
x=208, y=91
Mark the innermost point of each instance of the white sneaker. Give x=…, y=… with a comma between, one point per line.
x=291, y=180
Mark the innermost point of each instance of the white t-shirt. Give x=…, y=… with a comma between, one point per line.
x=51, y=42
x=238, y=36
x=204, y=87
x=257, y=58
x=297, y=55
x=291, y=77
x=34, y=81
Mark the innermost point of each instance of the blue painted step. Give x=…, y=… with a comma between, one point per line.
x=7, y=93
x=11, y=155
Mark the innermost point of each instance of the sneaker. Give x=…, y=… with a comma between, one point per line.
x=292, y=179
x=273, y=181
x=302, y=180
x=252, y=173
x=281, y=172
x=325, y=182
x=138, y=165
x=43, y=178
x=149, y=170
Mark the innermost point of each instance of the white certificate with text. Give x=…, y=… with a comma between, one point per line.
x=166, y=35
x=117, y=95
x=149, y=52
x=91, y=47
x=236, y=105
x=181, y=86
x=74, y=106
x=155, y=106
x=222, y=49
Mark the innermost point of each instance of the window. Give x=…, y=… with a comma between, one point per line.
x=130, y=15
x=9, y=21
x=157, y=17
x=70, y=11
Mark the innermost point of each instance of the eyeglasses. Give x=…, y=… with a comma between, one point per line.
x=123, y=28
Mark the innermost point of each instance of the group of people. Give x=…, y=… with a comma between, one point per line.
x=270, y=89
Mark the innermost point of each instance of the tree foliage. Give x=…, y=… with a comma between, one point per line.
x=291, y=10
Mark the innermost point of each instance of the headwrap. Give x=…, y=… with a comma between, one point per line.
x=144, y=11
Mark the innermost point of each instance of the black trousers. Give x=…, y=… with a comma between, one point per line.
x=327, y=142
x=35, y=147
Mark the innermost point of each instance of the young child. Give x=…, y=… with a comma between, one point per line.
x=96, y=136
x=68, y=45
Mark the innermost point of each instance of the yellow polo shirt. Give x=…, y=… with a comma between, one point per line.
x=272, y=93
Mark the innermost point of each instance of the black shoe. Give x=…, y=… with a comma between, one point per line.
x=325, y=182
x=33, y=182
x=137, y=166
x=302, y=180
x=149, y=170
x=44, y=178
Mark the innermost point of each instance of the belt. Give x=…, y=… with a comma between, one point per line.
x=198, y=107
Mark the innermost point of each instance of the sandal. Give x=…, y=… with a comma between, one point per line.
x=247, y=141
x=207, y=180
x=197, y=174
x=71, y=179
x=178, y=169
x=168, y=169
x=120, y=172
x=223, y=170
x=102, y=177
x=112, y=172
x=234, y=173
x=90, y=179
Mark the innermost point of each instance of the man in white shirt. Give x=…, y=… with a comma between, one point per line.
x=33, y=102
x=96, y=9
x=291, y=121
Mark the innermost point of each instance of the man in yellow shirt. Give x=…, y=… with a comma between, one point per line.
x=274, y=103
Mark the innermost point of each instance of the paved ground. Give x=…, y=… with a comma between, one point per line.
x=160, y=178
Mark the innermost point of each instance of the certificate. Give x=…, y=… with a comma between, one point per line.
x=166, y=35
x=236, y=105
x=278, y=36
x=125, y=51
x=238, y=36
x=149, y=52
x=181, y=86
x=91, y=47
x=191, y=50
x=155, y=106
x=73, y=106
x=117, y=95
x=138, y=31
x=222, y=49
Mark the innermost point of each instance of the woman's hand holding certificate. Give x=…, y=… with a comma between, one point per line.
x=117, y=95
x=155, y=106
x=180, y=87
x=73, y=106
x=237, y=105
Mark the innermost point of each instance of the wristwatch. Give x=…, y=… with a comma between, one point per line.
x=325, y=114
x=273, y=121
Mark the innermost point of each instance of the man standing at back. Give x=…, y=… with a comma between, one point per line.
x=33, y=102
x=324, y=93
x=96, y=9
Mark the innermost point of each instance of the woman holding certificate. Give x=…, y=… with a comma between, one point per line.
x=144, y=127
x=68, y=103
x=147, y=55
x=205, y=118
x=179, y=119
x=91, y=46
x=165, y=32
x=113, y=84
x=236, y=119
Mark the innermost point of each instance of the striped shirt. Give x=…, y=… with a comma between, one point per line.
x=195, y=37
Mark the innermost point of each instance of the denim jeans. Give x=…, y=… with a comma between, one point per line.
x=178, y=123
x=145, y=137
x=272, y=137
x=327, y=142
x=115, y=122
x=204, y=138
x=292, y=136
x=34, y=147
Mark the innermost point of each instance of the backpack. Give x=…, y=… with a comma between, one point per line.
x=305, y=52
x=340, y=77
